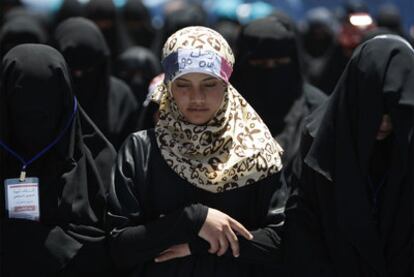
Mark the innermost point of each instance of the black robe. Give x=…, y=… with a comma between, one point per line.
x=106, y=99
x=152, y=208
x=278, y=94
x=36, y=103
x=339, y=222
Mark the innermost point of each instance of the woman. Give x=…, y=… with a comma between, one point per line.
x=137, y=66
x=106, y=99
x=60, y=231
x=269, y=76
x=352, y=213
x=207, y=173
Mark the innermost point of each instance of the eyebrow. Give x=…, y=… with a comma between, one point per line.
x=205, y=79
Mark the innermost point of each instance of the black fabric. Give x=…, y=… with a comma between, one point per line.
x=230, y=31
x=333, y=227
x=137, y=66
x=389, y=17
x=20, y=30
x=185, y=15
x=152, y=208
x=69, y=8
x=138, y=23
x=276, y=92
x=105, y=15
x=36, y=102
x=323, y=57
x=107, y=100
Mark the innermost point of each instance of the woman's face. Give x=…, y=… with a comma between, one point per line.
x=198, y=96
x=385, y=128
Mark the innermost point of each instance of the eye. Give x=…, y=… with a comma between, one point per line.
x=182, y=85
x=210, y=85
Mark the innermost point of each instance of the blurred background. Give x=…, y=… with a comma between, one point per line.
x=245, y=9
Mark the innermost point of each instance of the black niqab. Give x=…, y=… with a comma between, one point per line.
x=138, y=23
x=270, y=91
x=137, y=67
x=277, y=92
x=20, y=30
x=105, y=15
x=69, y=8
x=36, y=103
x=108, y=101
x=378, y=79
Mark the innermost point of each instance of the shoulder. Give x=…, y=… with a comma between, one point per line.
x=141, y=139
x=122, y=94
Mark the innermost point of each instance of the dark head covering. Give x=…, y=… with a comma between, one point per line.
x=389, y=17
x=230, y=31
x=137, y=67
x=36, y=104
x=87, y=54
x=184, y=15
x=20, y=30
x=355, y=6
x=104, y=14
x=7, y=5
x=108, y=101
x=318, y=32
x=138, y=23
x=270, y=90
x=378, y=79
x=69, y=8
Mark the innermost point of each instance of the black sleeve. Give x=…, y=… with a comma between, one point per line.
x=264, y=248
x=135, y=238
x=305, y=253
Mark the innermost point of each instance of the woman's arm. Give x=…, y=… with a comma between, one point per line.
x=134, y=237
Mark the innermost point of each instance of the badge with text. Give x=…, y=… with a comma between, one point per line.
x=22, y=198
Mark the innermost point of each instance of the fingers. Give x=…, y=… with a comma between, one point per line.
x=224, y=245
x=234, y=242
x=166, y=256
x=176, y=251
x=236, y=226
x=214, y=246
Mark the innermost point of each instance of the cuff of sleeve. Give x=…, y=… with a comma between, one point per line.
x=197, y=214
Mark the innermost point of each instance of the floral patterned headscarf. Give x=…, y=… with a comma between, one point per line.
x=233, y=149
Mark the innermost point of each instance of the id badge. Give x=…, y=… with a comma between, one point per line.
x=22, y=198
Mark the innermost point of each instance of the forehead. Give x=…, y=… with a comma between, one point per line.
x=196, y=77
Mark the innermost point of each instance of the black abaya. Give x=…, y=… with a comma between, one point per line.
x=153, y=208
x=349, y=217
x=36, y=104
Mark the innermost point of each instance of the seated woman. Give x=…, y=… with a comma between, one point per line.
x=55, y=176
x=203, y=186
x=352, y=212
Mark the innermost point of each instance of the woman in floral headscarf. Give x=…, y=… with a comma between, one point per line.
x=199, y=195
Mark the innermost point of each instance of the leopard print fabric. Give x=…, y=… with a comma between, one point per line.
x=232, y=150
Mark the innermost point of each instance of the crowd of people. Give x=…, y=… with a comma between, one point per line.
x=268, y=148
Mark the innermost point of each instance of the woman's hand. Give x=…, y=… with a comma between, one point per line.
x=176, y=251
x=219, y=230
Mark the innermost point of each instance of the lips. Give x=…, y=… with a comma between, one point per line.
x=197, y=110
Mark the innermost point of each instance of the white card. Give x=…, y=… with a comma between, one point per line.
x=22, y=198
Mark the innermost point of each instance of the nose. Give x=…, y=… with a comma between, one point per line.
x=198, y=95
